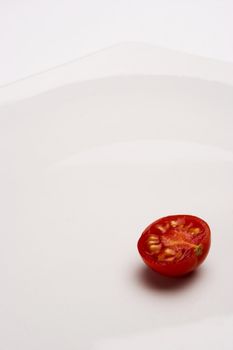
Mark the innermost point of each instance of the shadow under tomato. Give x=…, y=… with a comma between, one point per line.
x=153, y=280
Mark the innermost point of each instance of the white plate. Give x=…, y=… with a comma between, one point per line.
x=84, y=169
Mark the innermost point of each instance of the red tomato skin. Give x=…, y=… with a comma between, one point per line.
x=190, y=262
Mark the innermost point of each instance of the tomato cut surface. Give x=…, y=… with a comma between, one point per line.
x=175, y=245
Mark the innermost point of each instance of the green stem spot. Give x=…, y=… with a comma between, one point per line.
x=198, y=250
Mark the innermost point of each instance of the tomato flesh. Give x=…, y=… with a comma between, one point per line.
x=175, y=245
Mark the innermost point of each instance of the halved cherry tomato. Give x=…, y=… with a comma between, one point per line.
x=175, y=245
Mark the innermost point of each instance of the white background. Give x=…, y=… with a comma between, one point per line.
x=38, y=35
x=39, y=300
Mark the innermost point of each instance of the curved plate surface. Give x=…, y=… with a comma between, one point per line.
x=84, y=169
